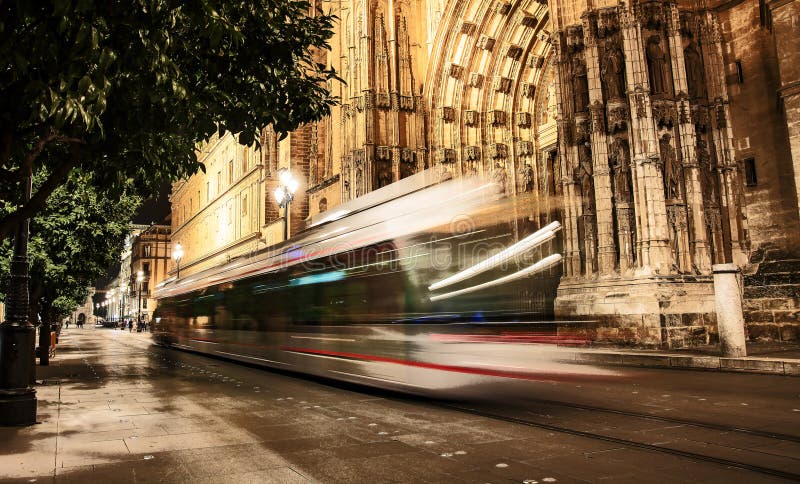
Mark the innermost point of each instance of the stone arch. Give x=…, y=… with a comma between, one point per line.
x=487, y=62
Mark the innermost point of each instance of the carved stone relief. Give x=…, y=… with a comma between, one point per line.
x=658, y=65
x=613, y=72
x=695, y=73
x=526, y=178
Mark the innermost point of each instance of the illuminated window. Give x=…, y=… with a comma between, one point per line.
x=230, y=172
x=146, y=251
x=245, y=155
x=244, y=205
x=208, y=191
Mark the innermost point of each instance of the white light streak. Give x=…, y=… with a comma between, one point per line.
x=539, y=237
x=543, y=264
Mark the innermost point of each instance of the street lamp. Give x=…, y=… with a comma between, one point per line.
x=177, y=254
x=284, y=194
x=139, y=279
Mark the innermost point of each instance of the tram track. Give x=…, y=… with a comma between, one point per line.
x=660, y=448
x=678, y=421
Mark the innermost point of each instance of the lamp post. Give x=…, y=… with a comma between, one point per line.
x=139, y=279
x=284, y=194
x=17, y=334
x=177, y=254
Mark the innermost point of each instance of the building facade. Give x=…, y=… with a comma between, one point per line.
x=664, y=135
x=150, y=253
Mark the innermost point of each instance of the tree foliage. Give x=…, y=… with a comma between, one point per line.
x=73, y=241
x=125, y=89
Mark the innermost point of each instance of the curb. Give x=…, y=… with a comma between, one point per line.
x=769, y=366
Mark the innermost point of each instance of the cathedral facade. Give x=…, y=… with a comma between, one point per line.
x=663, y=135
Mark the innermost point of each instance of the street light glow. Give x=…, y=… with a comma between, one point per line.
x=279, y=195
x=139, y=276
x=284, y=194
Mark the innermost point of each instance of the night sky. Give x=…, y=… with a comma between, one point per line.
x=153, y=210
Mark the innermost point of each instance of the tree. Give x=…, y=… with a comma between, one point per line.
x=73, y=240
x=124, y=90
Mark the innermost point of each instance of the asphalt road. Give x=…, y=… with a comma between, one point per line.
x=115, y=408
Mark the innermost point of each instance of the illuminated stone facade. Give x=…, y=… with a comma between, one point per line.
x=651, y=129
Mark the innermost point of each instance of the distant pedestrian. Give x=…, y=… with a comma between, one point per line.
x=130, y=326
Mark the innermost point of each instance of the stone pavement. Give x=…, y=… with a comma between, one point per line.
x=114, y=408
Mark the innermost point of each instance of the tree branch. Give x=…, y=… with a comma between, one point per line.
x=9, y=223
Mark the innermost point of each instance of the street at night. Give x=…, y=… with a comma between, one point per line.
x=400, y=241
x=116, y=408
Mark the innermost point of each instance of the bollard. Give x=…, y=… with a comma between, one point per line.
x=728, y=303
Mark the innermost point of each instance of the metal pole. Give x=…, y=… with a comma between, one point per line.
x=178, y=262
x=18, y=335
x=286, y=221
x=139, y=306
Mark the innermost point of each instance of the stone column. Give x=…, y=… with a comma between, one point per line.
x=651, y=212
x=687, y=140
x=606, y=251
x=722, y=134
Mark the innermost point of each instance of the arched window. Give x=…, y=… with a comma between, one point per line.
x=323, y=205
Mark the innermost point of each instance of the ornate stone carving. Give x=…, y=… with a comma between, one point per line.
x=407, y=155
x=657, y=63
x=383, y=153
x=502, y=84
x=574, y=36
x=619, y=161
x=446, y=155
x=447, y=114
x=672, y=169
x=528, y=21
x=722, y=120
x=472, y=153
x=526, y=178
x=475, y=79
x=497, y=151
x=514, y=51
x=535, y=61
x=499, y=176
x=651, y=15
x=496, y=117
x=382, y=100
x=471, y=118
x=598, y=121
x=407, y=103
x=580, y=84
x=528, y=90
x=456, y=71
x=700, y=118
x=695, y=73
x=664, y=113
x=582, y=129
x=565, y=130
x=485, y=42
x=523, y=120
x=617, y=117
x=607, y=22
x=641, y=104
x=613, y=72
x=524, y=148
x=468, y=28
x=502, y=8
